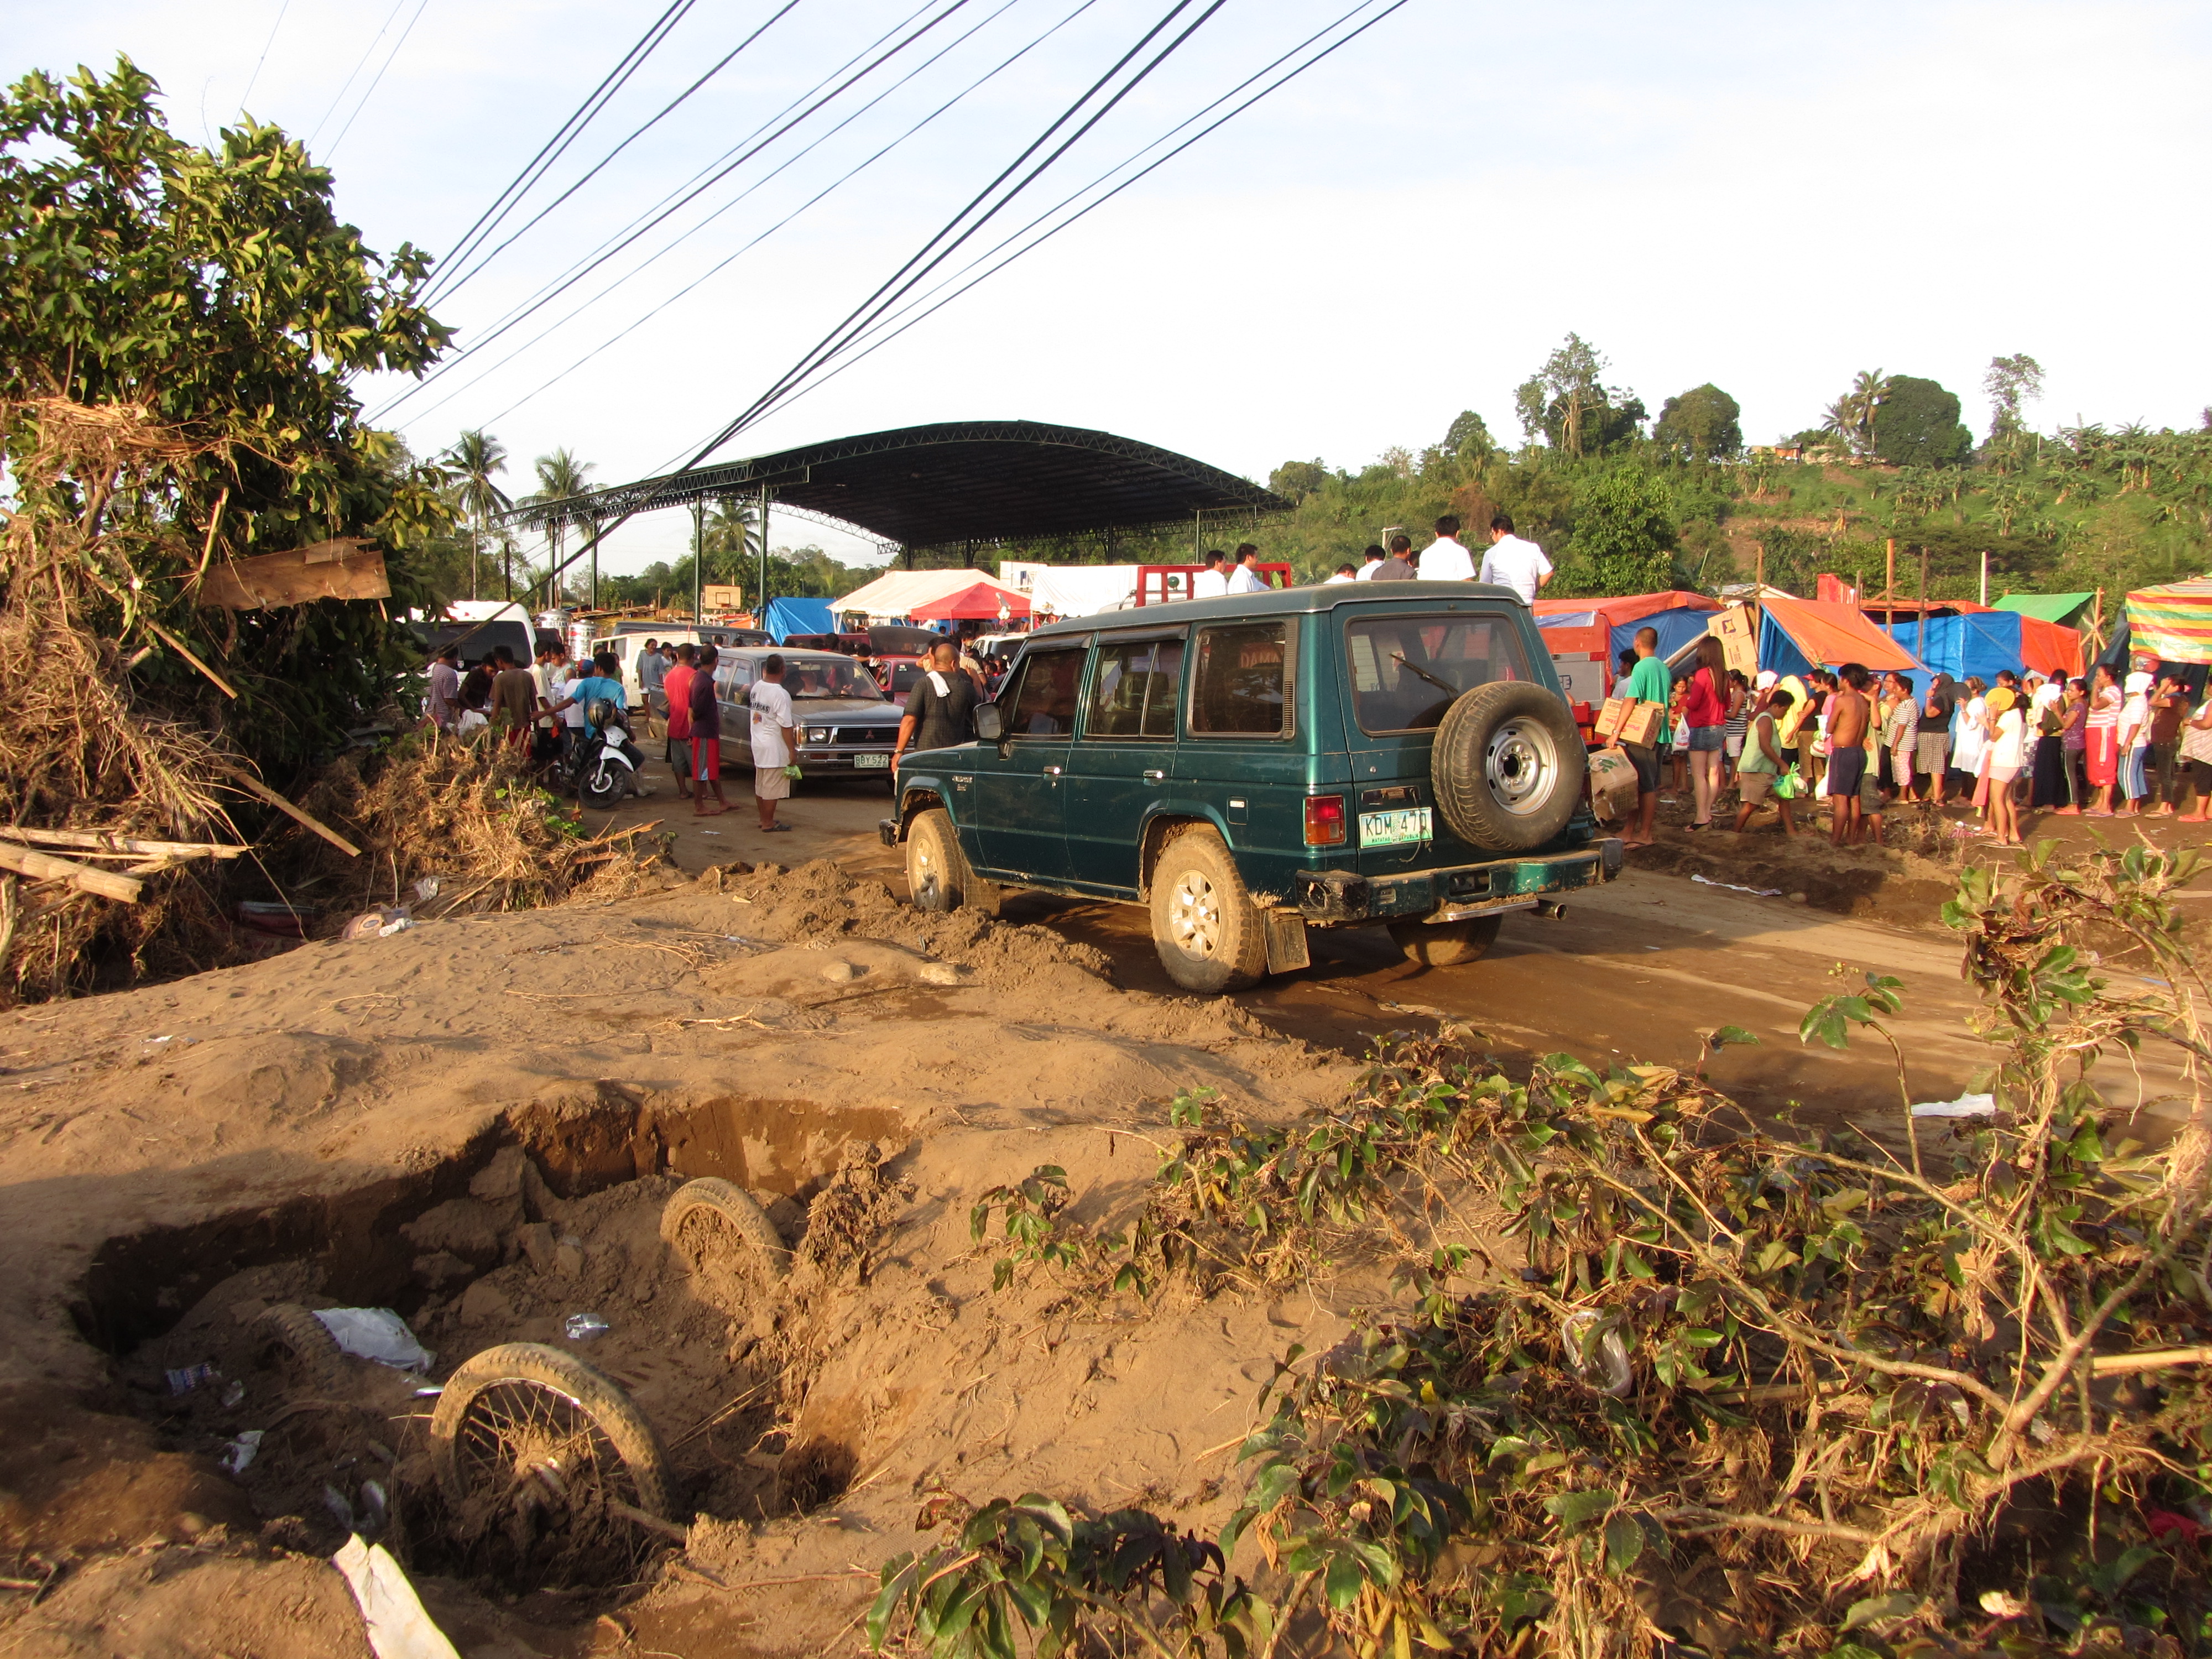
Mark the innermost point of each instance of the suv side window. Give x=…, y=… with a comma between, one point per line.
x=1134, y=689
x=1406, y=671
x=1242, y=684
x=1041, y=703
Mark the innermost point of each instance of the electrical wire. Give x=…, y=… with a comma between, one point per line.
x=917, y=268
x=255, y=77
x=717, y=269
x=420, y=8
x=636, y=133
x=368, y=52
x=608, y=249
x=580, y=117
x=886, y=333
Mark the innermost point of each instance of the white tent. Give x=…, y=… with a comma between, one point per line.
x=896, y=592
x=1072, y=590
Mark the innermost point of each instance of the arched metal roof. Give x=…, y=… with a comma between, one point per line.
x=961, y=481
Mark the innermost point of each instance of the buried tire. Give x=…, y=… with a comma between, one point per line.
x=938, y=878
x=1445, y=943
x=292, y=1338
x=528, y=1440
x=1207, y=929
x=1508, y=766
x=705, y=1219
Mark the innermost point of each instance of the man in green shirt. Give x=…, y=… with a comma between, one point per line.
x=1647, y=682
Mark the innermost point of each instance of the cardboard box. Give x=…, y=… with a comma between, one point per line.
x=1738, y=632
x=1613, y=785
x=1626, y=719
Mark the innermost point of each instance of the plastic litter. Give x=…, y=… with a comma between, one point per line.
x=426, y=890
x=184, y=1379
x=1964, y=1106
x=339, y=1505
x=380, y=923
x=1605, y=1366
x=239, y=1455
x=375, y=1333
x=1738, y=887
x=583, y=1327
x=398, y=1626
x=233, y=1393
x=375, y=1506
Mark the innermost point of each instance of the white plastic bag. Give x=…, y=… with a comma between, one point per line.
x=376, y=1333
x=398, y=1626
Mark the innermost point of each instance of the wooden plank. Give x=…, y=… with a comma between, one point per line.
x=44, y=866
x=108, y=841
x=346, y=568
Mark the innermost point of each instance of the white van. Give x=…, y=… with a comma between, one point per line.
x=628, y=648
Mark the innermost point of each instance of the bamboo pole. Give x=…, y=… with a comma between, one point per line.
x=44, y=866
x=106, y=841
x=254, y=787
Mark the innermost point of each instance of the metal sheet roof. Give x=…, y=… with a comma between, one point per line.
x=961, y=481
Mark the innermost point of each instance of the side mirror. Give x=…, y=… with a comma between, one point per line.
x=990, y=725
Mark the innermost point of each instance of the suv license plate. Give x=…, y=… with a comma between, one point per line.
x=1404, y=828
x=863, y=760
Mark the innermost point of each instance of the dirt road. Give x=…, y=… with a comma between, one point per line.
x=1637, y=971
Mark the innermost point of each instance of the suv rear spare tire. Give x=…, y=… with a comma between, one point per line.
x=1209, y=933
x=1508, y=766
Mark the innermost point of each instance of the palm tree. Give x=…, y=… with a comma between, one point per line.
x=471, y=462
x=733, y=539
x=561, y=478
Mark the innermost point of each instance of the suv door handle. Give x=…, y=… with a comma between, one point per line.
x=1051, y=771
x=1152, y=777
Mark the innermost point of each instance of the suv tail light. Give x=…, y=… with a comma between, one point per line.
x=1324, y=820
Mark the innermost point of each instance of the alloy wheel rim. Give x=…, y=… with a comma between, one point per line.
x=1194, y=915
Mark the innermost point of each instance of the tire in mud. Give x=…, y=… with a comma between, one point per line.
x=1207, y=931
x=938, y=878
x=291, y=1339
x=707, y=1221
x=1508, y=766
x=524, y=1422
x=1445, y=943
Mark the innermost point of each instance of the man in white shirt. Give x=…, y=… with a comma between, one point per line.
x=1366, y=572
x=1211, y=582
x=776, y=739
x=1344, y=573
x=1515, y=564
x=1247, y=578
x=1444, y=560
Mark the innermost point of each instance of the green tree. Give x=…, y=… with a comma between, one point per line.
x=1625, y=533
x=1567, y=402
x=474, y=460
x=553, y=507
x=1917, y=424
x=216, y=291
x=1296, y=480
x=1467, y=438
x=1703, y=424
x=2011, y=382
x=1851, y=416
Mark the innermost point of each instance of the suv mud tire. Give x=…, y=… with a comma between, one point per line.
x=939, y=876
x=1445, y=943
x=1209, y=933
x=1508, y=767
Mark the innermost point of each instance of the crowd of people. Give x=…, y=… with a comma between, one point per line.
x=2112, y=743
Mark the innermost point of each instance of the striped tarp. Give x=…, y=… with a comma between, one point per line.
x=2173, y=623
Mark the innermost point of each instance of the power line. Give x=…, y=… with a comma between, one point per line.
x=420, y=8
x=911, y=310
x=835, y=184
x=266, y=44
x=608, y=249
x=636, y=134
x=908, y=276
x=368, y=52
x=581, y=117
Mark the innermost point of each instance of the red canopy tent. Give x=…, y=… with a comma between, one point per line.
x=981, y=602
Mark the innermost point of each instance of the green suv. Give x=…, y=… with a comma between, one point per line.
x=1356, y=755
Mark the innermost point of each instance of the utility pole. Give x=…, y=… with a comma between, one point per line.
x=761, y=616
x=698, y=554
x=1985, y=575
x=1920, y=647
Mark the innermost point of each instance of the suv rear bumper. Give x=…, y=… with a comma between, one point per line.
x=1340, y=896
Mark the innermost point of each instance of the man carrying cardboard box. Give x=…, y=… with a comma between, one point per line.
x=1647, y=682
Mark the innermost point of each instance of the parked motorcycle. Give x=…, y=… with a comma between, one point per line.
x=604, y=767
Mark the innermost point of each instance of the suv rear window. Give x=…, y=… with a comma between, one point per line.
x=1242, y=684
x=1406, y=671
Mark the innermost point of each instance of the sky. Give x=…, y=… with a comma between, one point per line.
x=1770, y=198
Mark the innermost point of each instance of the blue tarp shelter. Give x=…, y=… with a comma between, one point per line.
x=1979, y=643
x=784, y=617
